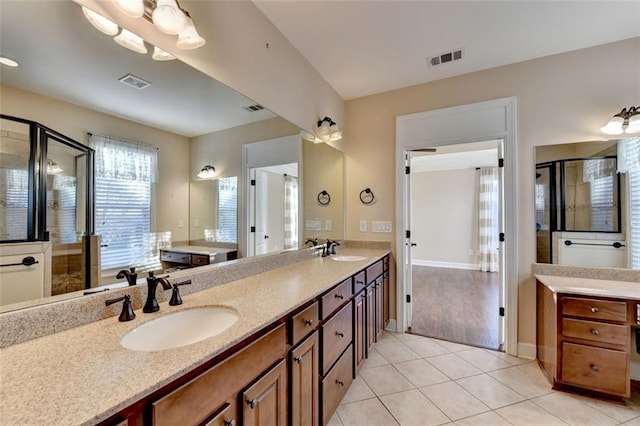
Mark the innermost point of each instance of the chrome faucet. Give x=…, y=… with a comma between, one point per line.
x=130, y=275
x=151, y=305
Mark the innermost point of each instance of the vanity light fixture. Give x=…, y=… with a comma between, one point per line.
x=131, y=41
x=327, y=131
x=53, y=168
x=207, y=172
x=131, y=8
x=8, y=62
x=626, y=121
x=101, y=23
x=161, y=55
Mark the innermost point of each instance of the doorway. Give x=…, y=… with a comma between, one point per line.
x=455, y=214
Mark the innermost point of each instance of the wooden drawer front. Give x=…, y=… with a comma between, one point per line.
x=170, y=256
x=595, y=331
x=597, y=369
x=374, y=271
x=359, y=282
x=198, y=399
x=336, y=298
x=336, y=384
x=594, y=308
x=199, y=259
x=336, y=336
x=304, y=323
x=225, y=417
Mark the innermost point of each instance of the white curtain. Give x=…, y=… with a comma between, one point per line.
x=488, y=215
x=290, y=212
x=120, y=159
x=598, y=168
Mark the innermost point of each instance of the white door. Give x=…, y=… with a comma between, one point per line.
x=261, y=208
x=502, y=258
x=408, y=244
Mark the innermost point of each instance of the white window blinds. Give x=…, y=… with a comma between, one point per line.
x=629, y=163
x=124, y=172
x=228, y=210
x=14, y=197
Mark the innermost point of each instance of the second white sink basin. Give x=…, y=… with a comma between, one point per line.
x=180, y=328
x=347, y=258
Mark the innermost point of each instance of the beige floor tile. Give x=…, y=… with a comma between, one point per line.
x=386, y=337
x=633, y=422
x=485, y=419
x=403, y=337
x=421, y=373
x=367, y=412
x=452, y=346
x=483, y=360
x=426, y=347
x=622, y=413
x=453, y=366
x=527, y=413
x=527, y=385
x=385, y=379
x=573, y=410
x=358, y=391
x=335, y=420
x=413, y=408
x=374, y=360
x=453, y=400
x=396, y=352
x=490, y=391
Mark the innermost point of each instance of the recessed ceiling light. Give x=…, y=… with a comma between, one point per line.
x=8, y=62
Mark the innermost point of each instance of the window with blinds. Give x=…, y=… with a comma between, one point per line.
x=634, y=217
x=228, y=210
x=14, y=194
x=603, y=206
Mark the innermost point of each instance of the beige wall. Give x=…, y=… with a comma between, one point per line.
x=561, y=98
x=172, y=190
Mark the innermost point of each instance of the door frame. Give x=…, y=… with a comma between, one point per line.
x=495, y=119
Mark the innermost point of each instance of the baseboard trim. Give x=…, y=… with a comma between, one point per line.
x=527, y=350
x=439, y=264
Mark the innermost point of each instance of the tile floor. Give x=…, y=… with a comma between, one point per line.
x=413, y=380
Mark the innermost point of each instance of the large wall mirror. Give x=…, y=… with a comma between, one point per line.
x=587, y=207
x=68, y=81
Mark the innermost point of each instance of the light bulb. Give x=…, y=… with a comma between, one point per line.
x=634, y=124
x=131, y=41
x=614, y=126
x=168, y=17
x=189, y=37
x=101, y=23
x=161, y=55
x=132, y=8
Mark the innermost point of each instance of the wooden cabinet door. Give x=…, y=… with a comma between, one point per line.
x=305, y=396
x=386, y=296
x=379, y=297
x=370, y=308
x=225, y=417
x=265, y=402
x=359, y=329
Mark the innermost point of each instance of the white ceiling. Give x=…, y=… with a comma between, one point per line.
x=364, y=47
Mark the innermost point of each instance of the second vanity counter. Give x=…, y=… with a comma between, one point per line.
x=591, y=287
x=84, y=375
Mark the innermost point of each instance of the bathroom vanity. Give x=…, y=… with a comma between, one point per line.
x=190, y=256
x=289, y=358
x=585, y=331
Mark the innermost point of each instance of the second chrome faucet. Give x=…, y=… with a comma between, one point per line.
x=151, y=305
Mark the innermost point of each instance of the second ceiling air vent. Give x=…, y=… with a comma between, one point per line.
x=444, y=58
x=133, y=81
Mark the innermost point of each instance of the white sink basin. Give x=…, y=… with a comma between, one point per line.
x=180, y=328
x=346, y=258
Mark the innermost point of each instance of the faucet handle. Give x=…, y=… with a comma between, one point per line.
x=175, y=295
x=127, y=313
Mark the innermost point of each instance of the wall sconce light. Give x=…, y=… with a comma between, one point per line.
x=53, y=168
x=627, y=121
x=167, y=16
x=207, y=172
x=327, y=131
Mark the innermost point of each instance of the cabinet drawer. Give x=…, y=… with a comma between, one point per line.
x=336, y=336
x=224, y=417
x=172, y=256
x=336, y=384
x=595, y=331
x=199, y=259
x=374, y=271
x=359, y=282
x=597, y=369
x=594, y=308
x=336, y=298
x=304, y=323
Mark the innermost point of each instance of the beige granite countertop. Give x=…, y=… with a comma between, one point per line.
x=591, y=287
x=83, y=375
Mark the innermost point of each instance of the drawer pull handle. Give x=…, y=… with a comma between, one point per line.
x=340, y=334
x=340, y=382
x=298, y=359
x=594, y=309
x=339, y=296
x=595, y=332
x=252, y=403
x=359, y=282
x=308, y=322
x=229, y=423
x=594, y=368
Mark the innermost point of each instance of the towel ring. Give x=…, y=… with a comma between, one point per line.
x=366, y=196
x=324, y=198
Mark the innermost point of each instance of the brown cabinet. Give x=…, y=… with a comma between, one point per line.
x=304, y=323
x=265, y=402
x=336, y=336
x=336, y=297
x=336, y=383
x=371, y=316
x=359, y=330
x=305, y=396
x=225, y=417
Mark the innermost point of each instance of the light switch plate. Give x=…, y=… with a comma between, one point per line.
x=381, y=226
x=328, y=225
x=363, y=226
x=313, y=225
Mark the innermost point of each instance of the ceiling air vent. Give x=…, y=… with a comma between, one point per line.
x=133, y=81
x=443, y=58
x=254, y=108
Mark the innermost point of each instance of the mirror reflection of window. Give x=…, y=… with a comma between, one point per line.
x=14, y=180
x=227, y=231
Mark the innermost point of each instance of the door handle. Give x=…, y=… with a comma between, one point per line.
x=266, y=236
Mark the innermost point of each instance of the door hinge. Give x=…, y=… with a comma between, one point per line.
x=408, y=298
x=253, y=229
x=253, y=182
x=501, y=237
x=500, y=162
x=407, y=234
x=407, y=170
x=501, y=311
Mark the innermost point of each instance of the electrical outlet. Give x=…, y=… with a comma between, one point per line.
x=328, y=225
x=180, y=223
x=196, y=223
x=381, y=226
x=363, y=226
